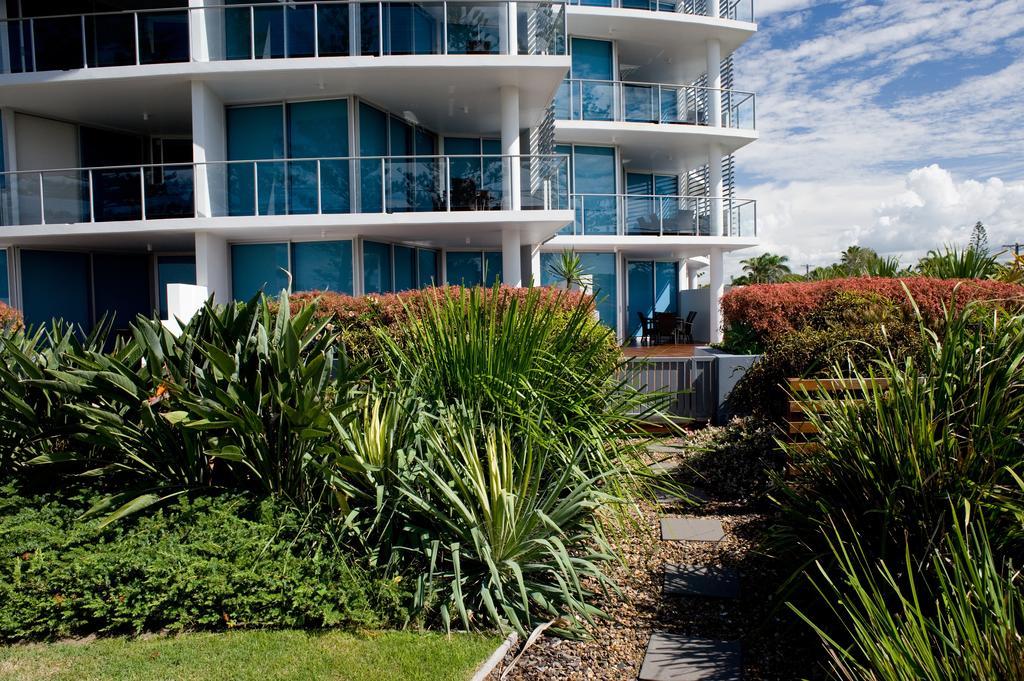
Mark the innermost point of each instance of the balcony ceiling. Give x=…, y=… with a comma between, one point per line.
x=664, y=47
x=642, y=247
x=655, y=147
x=449, y=94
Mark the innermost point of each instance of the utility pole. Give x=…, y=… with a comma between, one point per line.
x=1015, y=246
x=807, y=270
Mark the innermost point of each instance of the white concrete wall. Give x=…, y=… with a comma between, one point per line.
x=697, y=300
x=40, y=144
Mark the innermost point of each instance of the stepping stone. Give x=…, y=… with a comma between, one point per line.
x=709, y=582
x=664, y=467
x=664, y=449
x=692, y=529
x=695, y=494
x=675, y=657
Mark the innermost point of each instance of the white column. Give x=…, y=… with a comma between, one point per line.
x=715, y=187
x=715, y=82
x=717, y=289
x=213, y=269
x=530, y=255
x=511, y=34
x=5, y=45
x=714, y=8
x=197, y=31
x=209, y=145
x=691, y=276
x=511, y=257
x=511, y=181
x=684, y=278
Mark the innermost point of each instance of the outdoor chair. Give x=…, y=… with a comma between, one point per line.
x=686, y=326
x=665, y=326
x=645, y=329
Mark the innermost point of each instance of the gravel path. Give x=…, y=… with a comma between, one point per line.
x=773, y=647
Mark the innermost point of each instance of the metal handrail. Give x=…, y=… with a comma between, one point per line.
x=542, y=189
x=507, y=27
x=732, y=210
x=697, y=101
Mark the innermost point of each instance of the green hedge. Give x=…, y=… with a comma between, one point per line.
x=202, y=564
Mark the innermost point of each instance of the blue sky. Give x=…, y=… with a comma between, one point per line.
x=894, y=124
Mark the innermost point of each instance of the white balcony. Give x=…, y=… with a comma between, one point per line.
x=446, y=200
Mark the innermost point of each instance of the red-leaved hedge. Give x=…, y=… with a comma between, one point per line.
x=358, y=317
x=772, y=310
x=10, y=318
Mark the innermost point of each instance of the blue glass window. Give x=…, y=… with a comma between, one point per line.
x=373, y=141
x=46, y=297
x=601, y=268
x=376, y=267
x=5, y=285
x=173, y=269
x=333, y=30
x=255, y=132
x=492, y=268
x=594, y=184
x=121, y=287
x=592, y=63
x=258, y=267
x=653, y=287
x=476, y=181
x=405, y=268
x=318, y=129
x=322, y=266
x=464, y=268
x=429, y=268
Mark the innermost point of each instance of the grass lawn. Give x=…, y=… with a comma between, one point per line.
x=257, y=655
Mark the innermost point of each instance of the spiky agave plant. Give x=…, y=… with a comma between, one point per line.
x=519, y=357
x=509, y=531
x=953, y=263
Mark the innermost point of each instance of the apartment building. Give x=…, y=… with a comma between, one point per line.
x=366, y=146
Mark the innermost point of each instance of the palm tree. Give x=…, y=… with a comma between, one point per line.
x=857, y=260
x=767, y=268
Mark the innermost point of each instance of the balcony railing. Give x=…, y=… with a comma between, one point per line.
x=307, y=186
x=660, y=215
x=631, y=102
x=737, y=10
x=274, y=30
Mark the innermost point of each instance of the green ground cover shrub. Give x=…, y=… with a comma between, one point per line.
x=482, y=451
x=211, y=563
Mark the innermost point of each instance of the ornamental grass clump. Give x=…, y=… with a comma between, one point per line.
x=876, y=514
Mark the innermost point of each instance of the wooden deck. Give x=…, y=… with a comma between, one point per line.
x=666, y=350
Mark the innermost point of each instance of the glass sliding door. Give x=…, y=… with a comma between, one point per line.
x=258, y=267
x=594, y=174
x=428, y=268
x=373, y=141
x=653, y=288
x=256, y=132
x=593, y=68
x=56, y=285
x=601, y=269
x=322, y=266
x=377, y=271
x=173, y=269
x=116, y=192
x=318, y=129
x=121, y=285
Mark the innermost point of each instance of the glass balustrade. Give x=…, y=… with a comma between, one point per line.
x=735, y=10
x=661, y=215
x=605, y=100
x=274, y=30
x=283, y=187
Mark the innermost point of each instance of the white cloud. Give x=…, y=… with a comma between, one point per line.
x=883, y=125
x=812, y=222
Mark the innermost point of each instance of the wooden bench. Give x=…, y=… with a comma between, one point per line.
x=805, y=398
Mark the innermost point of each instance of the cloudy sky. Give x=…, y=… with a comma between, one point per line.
x=893, y=124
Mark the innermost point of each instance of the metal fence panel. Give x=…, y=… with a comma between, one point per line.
x=689, y=383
